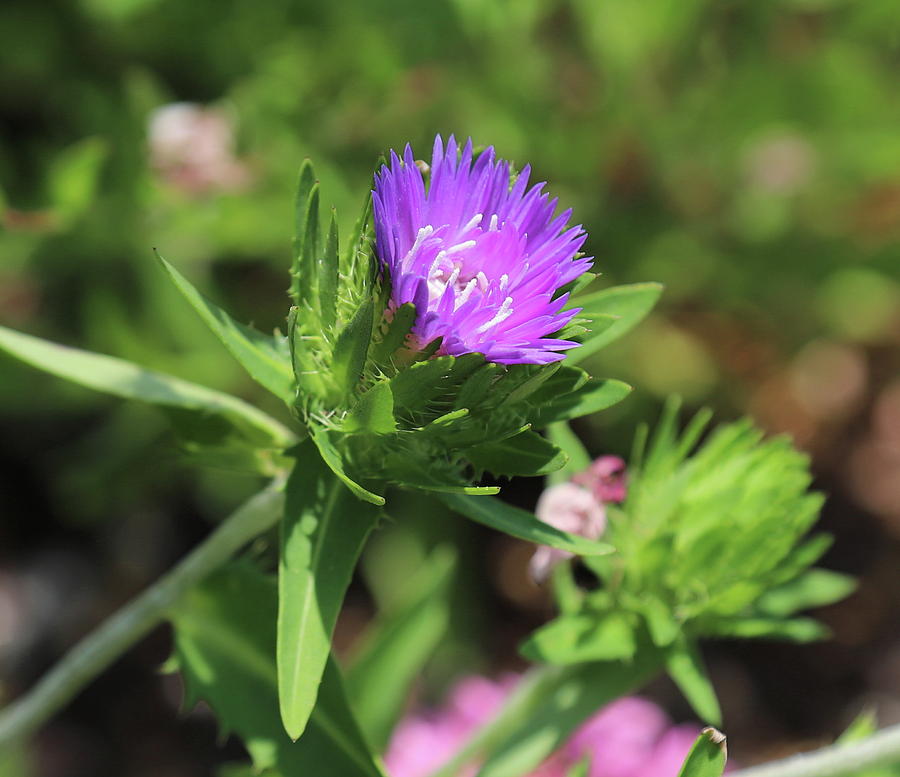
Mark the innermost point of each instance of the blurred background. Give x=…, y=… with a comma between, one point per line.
x=746, y=153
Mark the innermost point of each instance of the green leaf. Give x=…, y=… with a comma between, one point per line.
x=302, y=268
x=562, y=436
x=524, y=525
x=257, y=353
x=571, y=639
x=394, y=334
x=74, y=175
x=351, y=348
x=374, y=412
x=685, y=667
x=329, y=275
x=794, y=630
x=322, y=534
x=707, y=757
x=224, y=635
x=630, y=303
x=396, y=648
x=322, y=440
x=814, y=588
x=594, y=396
x=526, y=453
x=124, y=379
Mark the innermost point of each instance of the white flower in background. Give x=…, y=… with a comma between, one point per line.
x=192, y=148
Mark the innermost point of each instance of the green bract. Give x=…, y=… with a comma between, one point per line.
x=381, y=412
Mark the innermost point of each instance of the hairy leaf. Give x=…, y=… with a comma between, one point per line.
x=526, y=453
x=266, y=361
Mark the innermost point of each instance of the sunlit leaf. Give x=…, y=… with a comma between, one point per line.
x=265, y=360
x=322, y=534
x=630, y=303
x=124, y=379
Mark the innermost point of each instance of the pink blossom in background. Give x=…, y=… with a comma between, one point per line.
x=570, y=508
x=192, y=148
x=605, y=479
x=578, y=508
x=631, y=737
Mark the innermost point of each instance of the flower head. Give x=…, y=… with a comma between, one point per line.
x=482, y=259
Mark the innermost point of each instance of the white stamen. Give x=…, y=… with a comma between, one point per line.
x=464, y=295
x=504, y=313
x=473, y=222
x=482, y=281
x=493, y=225
x=504, y=282
x=465, y=245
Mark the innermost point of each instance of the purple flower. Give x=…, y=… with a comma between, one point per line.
x=482, y=260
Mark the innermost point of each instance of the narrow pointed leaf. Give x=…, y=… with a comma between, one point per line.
x=328, y=275
x=685, y=667
x=519, y=523
x=322, y=534
x=707, y=757
x=814, y=588
x=630, y=303
x=594, y=396
x=526, y=453
x=395, y=334
x=124, y=379
x=224, y=635
x=257, y=353
x=322, y=440
x=301, y=275
x=374, y=412
x=352, y=346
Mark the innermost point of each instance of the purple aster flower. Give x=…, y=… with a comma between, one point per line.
x=482, y=260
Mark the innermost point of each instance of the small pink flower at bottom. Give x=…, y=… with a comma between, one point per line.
x=631, y=737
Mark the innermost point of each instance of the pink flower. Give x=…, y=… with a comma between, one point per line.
x=605, y=478
x=192, y=148
x=421, y=743
x=631, y=737
x=572, y=509
x=578, y=508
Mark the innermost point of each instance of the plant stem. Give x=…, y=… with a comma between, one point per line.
x=838, y=760
x=102, y=647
